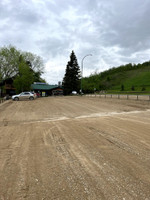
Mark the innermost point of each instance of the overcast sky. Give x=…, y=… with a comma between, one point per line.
x=115, y=32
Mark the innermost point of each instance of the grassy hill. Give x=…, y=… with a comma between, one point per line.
x=125, y=78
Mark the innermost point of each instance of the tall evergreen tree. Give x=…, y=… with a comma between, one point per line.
x=71, y=81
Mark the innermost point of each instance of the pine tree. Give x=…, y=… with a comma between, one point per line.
x=71, y=81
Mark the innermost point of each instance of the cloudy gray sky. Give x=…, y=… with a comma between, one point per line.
x=115, y=32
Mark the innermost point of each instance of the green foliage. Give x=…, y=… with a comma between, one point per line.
x=132, y=88
x=71, y=81
x=24, y=67
x=121, y=78
x=10, y=59
x=122, y=87
x=143, y=89
x=24, y=79
x=35, y=62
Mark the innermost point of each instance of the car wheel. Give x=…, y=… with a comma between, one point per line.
x=31, y=98
x=16, y=99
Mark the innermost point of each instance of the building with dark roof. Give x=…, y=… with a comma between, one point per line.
x=7, y=88
x=47, y=90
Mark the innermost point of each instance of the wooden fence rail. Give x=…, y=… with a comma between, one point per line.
x=121, y=96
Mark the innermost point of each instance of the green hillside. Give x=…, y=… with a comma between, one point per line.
x=130, y=77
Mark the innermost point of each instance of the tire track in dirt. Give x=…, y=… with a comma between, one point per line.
x=72, y=170
x=142, y=186
x=50, y=150
x=13, y=177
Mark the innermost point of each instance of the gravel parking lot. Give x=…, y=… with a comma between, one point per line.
x=75, y=148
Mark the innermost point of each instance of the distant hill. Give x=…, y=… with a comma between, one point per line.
x=130, y=77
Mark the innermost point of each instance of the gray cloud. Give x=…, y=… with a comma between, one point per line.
x=115, y=32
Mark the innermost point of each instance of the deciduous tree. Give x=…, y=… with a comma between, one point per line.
x=10, y=62
x=24, y=78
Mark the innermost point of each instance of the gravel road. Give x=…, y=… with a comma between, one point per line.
x=75, y=148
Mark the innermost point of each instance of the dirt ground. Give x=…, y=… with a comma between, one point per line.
x=75, y=148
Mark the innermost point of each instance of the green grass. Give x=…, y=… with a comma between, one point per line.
x=135, y=81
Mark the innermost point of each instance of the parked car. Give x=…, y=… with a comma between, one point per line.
x=74, y=93
x=23, y=96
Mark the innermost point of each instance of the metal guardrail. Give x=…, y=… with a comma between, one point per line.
x=121, y=96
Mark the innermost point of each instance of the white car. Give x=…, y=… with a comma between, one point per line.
x=74, y=92
x=23, y=96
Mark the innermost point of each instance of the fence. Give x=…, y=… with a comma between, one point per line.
x=2, y=100
x=121, y=96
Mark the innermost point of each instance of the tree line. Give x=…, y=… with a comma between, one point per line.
x=124, y=77
x=25, y=68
